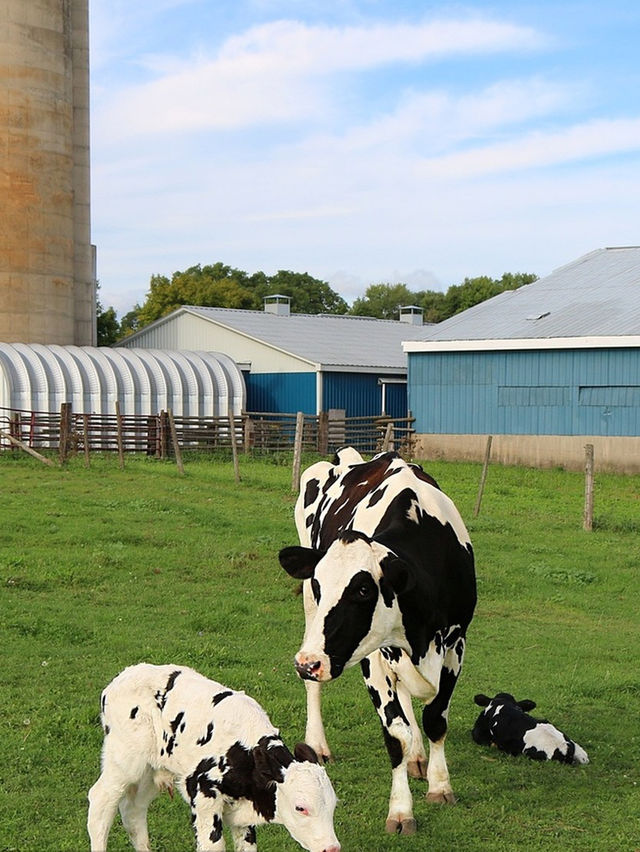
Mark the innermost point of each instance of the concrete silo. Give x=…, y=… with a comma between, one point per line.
x=47, y=277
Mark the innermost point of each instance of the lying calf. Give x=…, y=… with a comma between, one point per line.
x=166, y=724
x=506, y=724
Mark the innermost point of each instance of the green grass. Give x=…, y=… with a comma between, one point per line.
x=103, y=568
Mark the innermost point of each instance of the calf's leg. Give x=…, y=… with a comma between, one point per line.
x=244, y=838
x=133, y=811
x=104, y=798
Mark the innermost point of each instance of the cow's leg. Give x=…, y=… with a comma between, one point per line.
x=381, y=680
x=244, y=838
x=314, y=734
x=417, y=759
x=434, y=718
x=206, y=817
x=133, y=810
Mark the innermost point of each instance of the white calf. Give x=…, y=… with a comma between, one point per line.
x=166, y=725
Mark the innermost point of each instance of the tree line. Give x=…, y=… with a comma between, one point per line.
x=221, y=286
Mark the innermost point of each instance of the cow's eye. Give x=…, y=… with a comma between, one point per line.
x=302, y=810
x=364, y=591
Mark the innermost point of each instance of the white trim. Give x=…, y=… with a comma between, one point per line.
x=319, y=388
x=610, y=342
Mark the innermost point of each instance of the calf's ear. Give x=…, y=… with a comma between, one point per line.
x=482, y=700
x=526, y=704
x=300, y=562
x=302, y=751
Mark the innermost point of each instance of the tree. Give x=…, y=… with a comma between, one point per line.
x=383, y=301
x=221, y=286
x=107, y=327
x=308, y=295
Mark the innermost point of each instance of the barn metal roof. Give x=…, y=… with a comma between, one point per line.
x=596, y=297
x=325, y=341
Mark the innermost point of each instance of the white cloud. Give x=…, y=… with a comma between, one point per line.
x=596, y=138
x=277, y=73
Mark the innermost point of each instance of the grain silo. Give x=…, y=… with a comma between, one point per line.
x=47, y=278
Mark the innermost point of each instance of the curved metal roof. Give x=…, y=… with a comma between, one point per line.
x=35, y=377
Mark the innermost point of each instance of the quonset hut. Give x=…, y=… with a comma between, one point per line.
x=35, y=377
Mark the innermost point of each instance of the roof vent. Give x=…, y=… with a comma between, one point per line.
x=411, y=314
x=533, y=317
x=277, y=304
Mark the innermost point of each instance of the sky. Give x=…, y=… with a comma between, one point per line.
x=361, y=141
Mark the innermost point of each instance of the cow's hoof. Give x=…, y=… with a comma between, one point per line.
x=442, y=798
x=418, y=768
x=403, y=826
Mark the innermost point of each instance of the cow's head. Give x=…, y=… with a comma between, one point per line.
x=355, y=585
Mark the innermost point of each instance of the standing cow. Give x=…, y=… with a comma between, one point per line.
x=390, y=584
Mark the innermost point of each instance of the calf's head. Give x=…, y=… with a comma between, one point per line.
x=481, y=732
x=355, y=585
x=305, y=800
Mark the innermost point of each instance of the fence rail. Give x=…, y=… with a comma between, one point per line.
x=69, y=432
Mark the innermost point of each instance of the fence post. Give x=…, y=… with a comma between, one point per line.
x=65, y=431
x=174, y=439
x=27, y=449
x=587, y=521
x=234, y=445
x=297, y=452
x=323, y=433
x=483, y=478
x=248, y=434
x=119, y=436
x=388, y=441
x=85, y=429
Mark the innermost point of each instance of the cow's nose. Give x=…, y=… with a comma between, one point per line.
x=309, y=670
x=335, y=848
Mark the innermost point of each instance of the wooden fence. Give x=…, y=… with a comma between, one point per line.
x=68, y=432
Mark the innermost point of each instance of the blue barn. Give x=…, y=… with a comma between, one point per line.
x=299, y=362
x=544, y=369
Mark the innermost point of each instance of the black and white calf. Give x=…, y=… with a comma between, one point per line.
x=506, y=724
x=169, y=724
x=389, y=583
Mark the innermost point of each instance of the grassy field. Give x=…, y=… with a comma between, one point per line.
x=103, y=568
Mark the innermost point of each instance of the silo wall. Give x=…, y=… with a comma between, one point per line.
x=47, y=287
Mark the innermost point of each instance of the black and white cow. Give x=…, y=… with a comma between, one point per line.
x=169, y=724
x=506, y=724
x=390, y=584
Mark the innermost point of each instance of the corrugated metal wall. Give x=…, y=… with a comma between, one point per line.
x=281, y=392
x=361, y=395
x=550, y=392
x=35, y=377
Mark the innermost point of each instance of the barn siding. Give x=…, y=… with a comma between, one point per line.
x=281, y=392
x=547, y=392
x=360, y=395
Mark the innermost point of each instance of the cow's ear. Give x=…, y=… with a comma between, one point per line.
x=299, y=562
x=303, y=751
x=526, y=704
x=482, y=700
x=397, y=573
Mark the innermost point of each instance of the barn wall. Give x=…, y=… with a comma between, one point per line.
x=613, y=454
x=187, y=331
x=281, y=392
x=361, y=395
x=550, y=392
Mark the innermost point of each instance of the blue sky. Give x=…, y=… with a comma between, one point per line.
x=362, y=141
